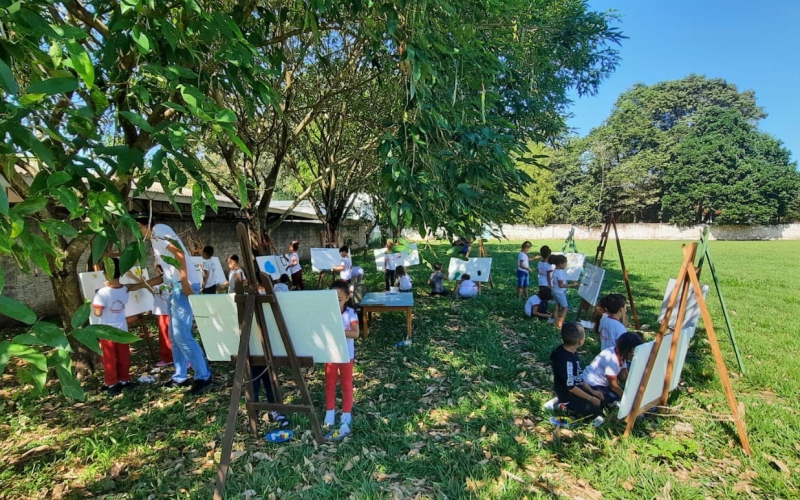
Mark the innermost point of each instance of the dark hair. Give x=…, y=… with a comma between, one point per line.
x=284, y=278
x=561, y=259
x=527, y=244
x=552, y=259
x=234, y=258
x=437, y=266
x=208, y=250
x=344, y=248
x=610, y=304
x=572, y=333
x=294, y=245
x=116, y=273
x=627, y=342
x=341, y=285
x=401, y=270
x=465, y=276
x=545, y=293
x=545, y=251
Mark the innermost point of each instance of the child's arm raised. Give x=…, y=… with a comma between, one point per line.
x=149, y=284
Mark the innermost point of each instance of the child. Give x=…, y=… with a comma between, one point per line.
x=533, y=305
x=356, y=276
x=161, y=310
x=390, y=259
x=568, y=382
x=523, y=270
x=559, y=288
x=610, y=326
x=236, y=274
x=333, y=371
x=544, y=269
x=436, y=281
x=345, y=268
x=209, y=285
x=109, y=305
x=403, y=279
x=467, y=288
x=603, y=373
x=283, y=283
x=294, y=268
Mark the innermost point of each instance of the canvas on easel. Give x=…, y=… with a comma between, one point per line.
x=666, y=345
x=575, y=264
x=273, y=265
x=410, y=257
x=479, y=269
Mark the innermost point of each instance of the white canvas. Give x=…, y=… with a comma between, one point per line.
x=692, y=309
x=139, y=302
x=219, y=274
x=274, y=265
x=574, y=267
x=324, y=259
x=312, y=317
x=687, y=334
x=655, y=385
x=478, y=269
x=592, y=283
x=410, y=257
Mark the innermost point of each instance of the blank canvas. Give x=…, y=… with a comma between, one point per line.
x=478, y=269
x=139, y=302
x=574, y=267
x=219, y=274
x=274, y=265
x=410, y=257
x=687, y=334
x=324, y=259
x=692, y=309
x=655, y=385
x=592, y=283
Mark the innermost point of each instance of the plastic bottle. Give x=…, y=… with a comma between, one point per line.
x=403, y=343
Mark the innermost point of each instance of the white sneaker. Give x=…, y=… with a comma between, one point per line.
x=330, y=418
x=344, y=430
x=346, y=418
x=551, y=405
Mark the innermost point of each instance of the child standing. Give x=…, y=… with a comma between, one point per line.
x=544, y=273
x=161, y=310
x=466, y=288
x=335, y=371
x=235, y=274
x=283, y=283
x=209, y=285
x=560, y=286
x=403, y=279
x=294, y=268
x=533, y=305
x=570, y=387
x=523, y=270
x=610, y=326
x=603, y=373
x=390, y=259
x=436, y=281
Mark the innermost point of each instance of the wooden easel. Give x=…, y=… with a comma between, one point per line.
x=482, y=253
x=599, y=256
x=328, y=239
x=569, y=243
x=680, y=294
x=252, y=309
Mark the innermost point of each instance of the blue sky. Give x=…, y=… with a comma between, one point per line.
x=753, y=44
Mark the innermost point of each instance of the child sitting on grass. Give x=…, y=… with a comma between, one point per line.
x=608, y=367
x=610, y=325
x=436, y=281
x=283, y=283
x=466, y=288
x=533, y=306
x=403, y=280
x=570, y=387
x=335, y=371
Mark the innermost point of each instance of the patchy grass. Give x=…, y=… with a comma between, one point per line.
x=457, y=414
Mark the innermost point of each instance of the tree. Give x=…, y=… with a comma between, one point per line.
x=540, y=193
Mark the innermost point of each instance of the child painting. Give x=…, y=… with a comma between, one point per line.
x=608, y=368
x=390, y=259
x=403, y=281
x=533, y=306
x=610, y=325
x=559, y=287
x=436, y=280
x=466, y=288
x=342, y=372
x=294, y=268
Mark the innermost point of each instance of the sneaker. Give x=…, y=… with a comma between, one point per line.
x=172, y=384
x=128, y=384
x=162, y=364
x=200, y=386
x=114, y=389
x=346, y=419
x=330, y=418
x=280, y=419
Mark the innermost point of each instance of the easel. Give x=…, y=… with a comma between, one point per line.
x=569, y=243
x=482, y=254
x=252, y=309
x=585, y=307
x=706, y=255
x=686, y=278
x=328, y=239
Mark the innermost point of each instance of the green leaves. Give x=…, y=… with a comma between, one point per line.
x=81, y=62
x=198, y=205
x=69, y=384
x=28, y=354
x=81, y=316
x=53, y=86
x=7, y=80
x=15, y=309
x=106, y=332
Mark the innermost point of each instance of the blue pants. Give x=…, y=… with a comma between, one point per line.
x=185, y=349
x=609, y=396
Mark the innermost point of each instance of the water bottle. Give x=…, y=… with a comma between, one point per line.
x=403, y=343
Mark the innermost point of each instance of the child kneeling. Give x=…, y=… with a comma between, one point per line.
x=536, y=305
x=608, y=367
x=570, y=387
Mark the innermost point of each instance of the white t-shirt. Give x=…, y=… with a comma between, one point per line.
x=404, y=282
x=542, y=268
x=349, y=317
x=467, y=288
x=532, y=304
x=113, y=301
x=297, y=267
x=605, y=364
x=347, y=262
x=610, y=330
x=160, y=306
x=522, y=258
x=232, y=280
x=280, y=287
x=162, y=234
x=356, y=271
x=559, y=275
x=391, y=261
x=208, y=267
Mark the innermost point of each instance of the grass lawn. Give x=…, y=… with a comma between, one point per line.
x=457, y=414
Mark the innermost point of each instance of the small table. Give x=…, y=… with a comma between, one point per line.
x=387, y=302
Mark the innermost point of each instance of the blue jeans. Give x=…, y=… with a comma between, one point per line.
x=523, y=279
x=185, y=349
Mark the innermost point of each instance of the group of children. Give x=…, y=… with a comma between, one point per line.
x=552, y=281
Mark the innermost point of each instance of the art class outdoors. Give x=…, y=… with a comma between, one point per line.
x=260, y=250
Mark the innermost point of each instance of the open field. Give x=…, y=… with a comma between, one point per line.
x=457, y=414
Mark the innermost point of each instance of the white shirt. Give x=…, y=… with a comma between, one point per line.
x=522, y=258
x=532, y=304
x=297, y=267
x=542, y=268
x=280, y=287
x=160, y=306
x=113, y=301
x=405, y=282
x=349, y=317
x=232, y=280
x=559, y=275
x=347, y=262
x=391, y=261
x=606, y=364
x=467, y=288
x=208, y=267
x=162, y=234
x=610, y=330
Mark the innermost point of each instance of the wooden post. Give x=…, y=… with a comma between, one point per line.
x=482, y=253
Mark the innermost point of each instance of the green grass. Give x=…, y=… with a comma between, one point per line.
x=458, y=414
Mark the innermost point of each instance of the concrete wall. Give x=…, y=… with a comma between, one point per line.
x=36, y=290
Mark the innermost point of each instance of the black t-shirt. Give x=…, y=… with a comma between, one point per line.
x=566, y=371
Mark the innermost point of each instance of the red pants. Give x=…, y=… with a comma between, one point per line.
x=116, y=362
x=332, y=373
x=164, y=344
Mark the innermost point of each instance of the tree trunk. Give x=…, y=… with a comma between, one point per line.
x=67, y=292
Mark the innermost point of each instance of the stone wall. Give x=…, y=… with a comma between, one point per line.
x=36, y=290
